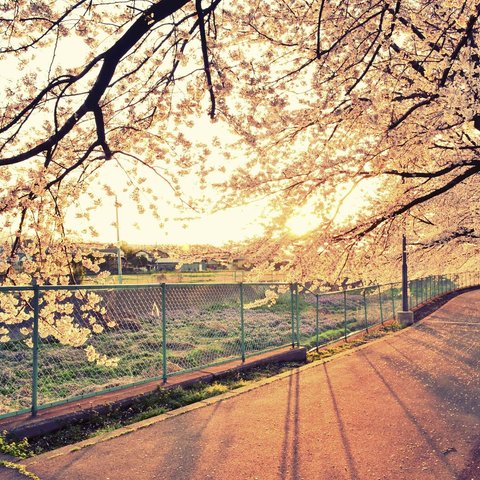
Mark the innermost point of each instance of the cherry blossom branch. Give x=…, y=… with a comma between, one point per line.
x=110, y=58
x=206, y=61
x=360, y=231
x=53, y=25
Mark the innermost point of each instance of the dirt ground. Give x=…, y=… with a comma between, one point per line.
x=404, y=407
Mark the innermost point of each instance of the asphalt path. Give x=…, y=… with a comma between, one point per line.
x=403, y=407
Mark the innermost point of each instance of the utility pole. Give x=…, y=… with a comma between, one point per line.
x=404, y=274
x=119, y=252
x=405, y=317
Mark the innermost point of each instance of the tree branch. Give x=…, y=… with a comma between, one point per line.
x=404, y=208
x=206, y=61
x=111, y=57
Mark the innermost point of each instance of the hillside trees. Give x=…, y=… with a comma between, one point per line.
x=321, y=96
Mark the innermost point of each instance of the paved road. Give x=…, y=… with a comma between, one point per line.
x=404, y=407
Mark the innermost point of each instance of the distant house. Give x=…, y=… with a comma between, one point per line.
x=214, y=265
x=171, y=264
x=194, y=267
x=110, y=255
x=160, y=254
x=142, y=261
x=142, y=254
x=240, y=264
x=165, y=264
x=111, y=251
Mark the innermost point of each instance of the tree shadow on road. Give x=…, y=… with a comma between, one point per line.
x=472, y=469
x=436, y=449
x=453, y=349
x=352, y=467
x=448, y=388
x=289, y=466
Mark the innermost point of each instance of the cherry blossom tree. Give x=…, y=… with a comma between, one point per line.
x=380, y=94
x=321, y=96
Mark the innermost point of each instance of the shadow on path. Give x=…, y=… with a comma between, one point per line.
x=290, y=444
x=353, y=470
x=472, y=469
x=445, y=349
x=426, y=436
x=446, y=387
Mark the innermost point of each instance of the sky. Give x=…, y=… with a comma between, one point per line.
x=183, y=227
x=235, y=224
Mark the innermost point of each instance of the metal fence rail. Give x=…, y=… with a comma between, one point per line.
x=61, y=343
x=340, y=314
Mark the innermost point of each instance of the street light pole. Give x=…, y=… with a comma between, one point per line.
x=404, y=274
x=405, y=317
x=119, y=252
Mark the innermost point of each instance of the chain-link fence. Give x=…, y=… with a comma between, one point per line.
x=177, y=276
x=60, y=343
x=327, y=317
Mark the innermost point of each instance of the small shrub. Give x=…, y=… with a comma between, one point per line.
x=15, y=449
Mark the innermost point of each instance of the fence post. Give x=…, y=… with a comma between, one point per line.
x=365, y=308
x=36, y=311
x=381, y=306
x=242, y=324
x=164, y=332
x=292, y=304
x=345, y=315
x=297, y=315
x=316, y=319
